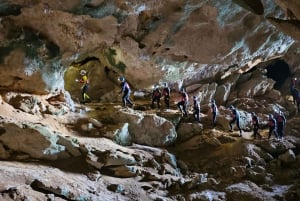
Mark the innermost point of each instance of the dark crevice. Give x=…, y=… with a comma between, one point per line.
x=2, y=130
x=9, y=9
x=279, y=71
x=39, y=186
x=84, y=61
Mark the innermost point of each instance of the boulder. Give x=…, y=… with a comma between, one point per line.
x=287, y=157
x=188, y=130
x=38, y=142
x=148, y=129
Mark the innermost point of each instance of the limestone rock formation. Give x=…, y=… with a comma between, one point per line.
x=242, y=53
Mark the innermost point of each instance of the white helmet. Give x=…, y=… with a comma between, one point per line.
x=82, y=72
x=121, y=79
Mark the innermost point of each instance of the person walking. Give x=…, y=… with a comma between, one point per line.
x=297, y=98
x=281, y=122
x=214, y=111
x=156, y=95
x=166, y=94
x=196, y=107
x=183, y=103
x=293, y=89
x=125, y=89
x=84, y=81
x=255, y=125
x=235, y=118
x=272, y=127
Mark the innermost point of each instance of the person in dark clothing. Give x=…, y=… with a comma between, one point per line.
x=235, y=118
x=125, y=89
x=297, y=98
x=183, y=103
x=255, y=125
x=196, y=107
x=214, y=111
x=281, y=122
x=166, y=94
x=272, y=126
x=156, y=95
x=293, y=89
x=295, y=95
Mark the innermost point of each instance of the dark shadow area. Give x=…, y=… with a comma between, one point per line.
x=279, y=71
x=39, y=187
x=84, y=61
x=7, y=8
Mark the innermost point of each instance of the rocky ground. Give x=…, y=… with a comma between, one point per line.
x=240, y=53
x=105, y=152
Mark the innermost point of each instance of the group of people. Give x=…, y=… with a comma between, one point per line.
x=183, y=103
x=157, y=94
x=276, y=122
x=84, y=81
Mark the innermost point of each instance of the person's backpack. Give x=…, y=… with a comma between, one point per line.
x=156, y=93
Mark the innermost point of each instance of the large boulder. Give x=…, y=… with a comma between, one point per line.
x=256, y=86
x=38, y=142
x=148, y=129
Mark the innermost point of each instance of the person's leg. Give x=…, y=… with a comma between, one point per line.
x=196, y=115
x=167, y=102
x=238, y=125
x=84, y=93
x=271, y=129
x=230, y=124
x=279, y=129
x=184, y=108
x=214, y=118
x=124, y=99
x=128, y=99
x=179, y=105
x=257, y=133
x=152, y=102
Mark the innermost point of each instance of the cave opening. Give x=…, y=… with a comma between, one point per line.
x=279, y=71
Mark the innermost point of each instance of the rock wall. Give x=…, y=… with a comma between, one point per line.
x=153, y=41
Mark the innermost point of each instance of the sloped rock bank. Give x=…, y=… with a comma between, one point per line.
x=80, y=163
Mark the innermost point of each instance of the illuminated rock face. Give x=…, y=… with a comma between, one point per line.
x=240, y=52
x=148, y=42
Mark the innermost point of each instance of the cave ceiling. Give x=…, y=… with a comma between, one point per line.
x=146, y=41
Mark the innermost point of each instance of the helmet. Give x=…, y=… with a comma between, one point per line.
x=212, y=100
x=231, y=107
x=82, y=72
x=252, y=113
x=122, y=79
x=194, y=97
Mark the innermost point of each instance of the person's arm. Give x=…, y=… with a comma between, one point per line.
x=275, y=123
x=122, y=88
x=284, y=120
